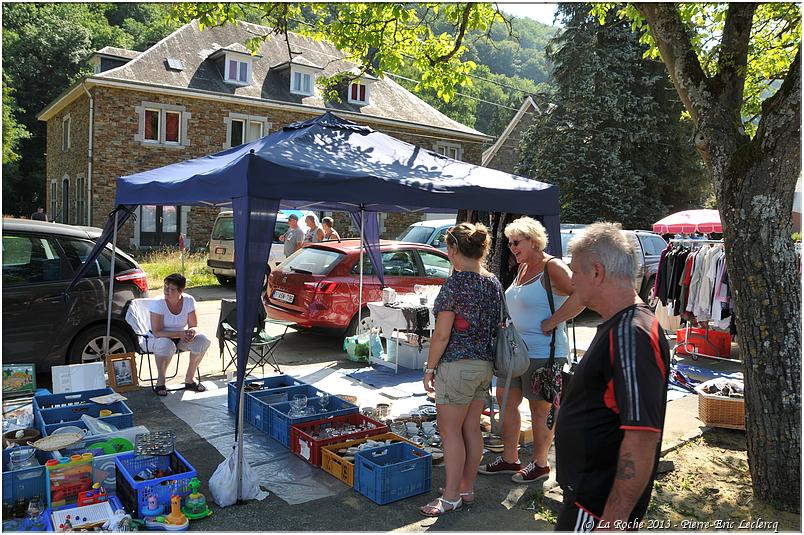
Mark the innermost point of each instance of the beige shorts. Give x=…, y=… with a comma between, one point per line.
x=462, y=381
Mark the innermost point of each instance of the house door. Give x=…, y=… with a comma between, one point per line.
x=159, y=225
x=65, y=201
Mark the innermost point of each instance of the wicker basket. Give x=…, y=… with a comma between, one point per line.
x=720, y=411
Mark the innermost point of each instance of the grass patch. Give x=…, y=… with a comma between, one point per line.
x=160, y=263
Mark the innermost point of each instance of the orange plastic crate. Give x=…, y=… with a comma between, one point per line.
x=705, y=342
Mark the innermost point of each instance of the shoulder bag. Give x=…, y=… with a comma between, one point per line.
x=547, y=380
x=511, y=353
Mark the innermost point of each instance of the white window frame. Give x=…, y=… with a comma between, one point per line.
x=302, y=71
x=240, y=61
x=358, y=101
x=450, y=150
x=246, y=119
x=66, y=134
x=54, y=198
x=163, y=110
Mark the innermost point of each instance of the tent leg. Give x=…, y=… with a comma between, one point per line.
x=111, y=291
x=360, y=291
x=240, y=446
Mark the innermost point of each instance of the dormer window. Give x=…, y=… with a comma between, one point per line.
x=238, y=71
x=302, y=83
x=235, y=63
x=358, y=93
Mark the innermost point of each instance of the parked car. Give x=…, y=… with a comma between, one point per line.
x=221, y=246
x=318, y=285
x=39, y=324
x=430, y=232
x=649, y=245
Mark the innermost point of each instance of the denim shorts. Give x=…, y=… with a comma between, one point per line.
x=462, y=381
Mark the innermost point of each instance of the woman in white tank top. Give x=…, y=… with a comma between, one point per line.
x=530, y=311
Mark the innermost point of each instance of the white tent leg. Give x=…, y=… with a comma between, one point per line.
x=111, y=292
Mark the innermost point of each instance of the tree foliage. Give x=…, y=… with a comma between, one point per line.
x=613, y=138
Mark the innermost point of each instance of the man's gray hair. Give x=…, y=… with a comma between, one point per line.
x=606, y=244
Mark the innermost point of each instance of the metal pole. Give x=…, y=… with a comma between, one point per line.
x=360, y=291
x=111, y=291
x=240, y=445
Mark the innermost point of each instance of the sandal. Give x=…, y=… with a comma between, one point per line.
x=439, y=506
x=463, y=495
x=195, y=387
x=160, y=390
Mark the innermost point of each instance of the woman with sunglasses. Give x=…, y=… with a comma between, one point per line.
x=461, y=361
x=530, y=311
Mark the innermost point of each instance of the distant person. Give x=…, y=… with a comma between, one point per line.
x=314, y=234
x=173, y=323
x=293, y=236
x=329, y=232
x=39, y=215
x=609, y=428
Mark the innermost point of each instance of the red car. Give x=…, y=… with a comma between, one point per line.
x=318, y=285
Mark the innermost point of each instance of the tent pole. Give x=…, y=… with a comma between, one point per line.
x=360, y=291
x=240, y=446
x=111, y=291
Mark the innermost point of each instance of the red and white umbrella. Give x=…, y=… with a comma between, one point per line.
x=689, y=221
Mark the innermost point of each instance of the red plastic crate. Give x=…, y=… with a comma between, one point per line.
x=703, y=341
x=308, y=448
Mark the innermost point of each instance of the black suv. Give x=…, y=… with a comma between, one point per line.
x=39, y=324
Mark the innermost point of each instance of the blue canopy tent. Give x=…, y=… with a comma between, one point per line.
x=326, y=163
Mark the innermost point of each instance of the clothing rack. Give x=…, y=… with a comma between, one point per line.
x=694, y=241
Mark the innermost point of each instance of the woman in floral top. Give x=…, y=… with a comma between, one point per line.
x=460, y=364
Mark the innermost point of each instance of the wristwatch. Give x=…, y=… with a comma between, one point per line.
x=428, y=370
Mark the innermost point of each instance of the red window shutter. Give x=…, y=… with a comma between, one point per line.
x=353, y=89
x=172, y=127
x=362, y=93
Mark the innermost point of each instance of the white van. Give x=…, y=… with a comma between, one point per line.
x=221, y=246
x=430, y=232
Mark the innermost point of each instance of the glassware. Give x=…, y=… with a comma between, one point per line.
x=323, y=401
x=35, y=508
x=297, y=405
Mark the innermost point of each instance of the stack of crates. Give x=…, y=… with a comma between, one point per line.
x=278, y=381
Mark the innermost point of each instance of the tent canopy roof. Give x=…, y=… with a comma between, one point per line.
x=349, y=165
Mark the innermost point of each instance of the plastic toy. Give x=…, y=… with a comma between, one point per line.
x=121, y=521
x=196, y=506
x=175, y=521
x=69, y=477
x=153, y=508
x=96, y=495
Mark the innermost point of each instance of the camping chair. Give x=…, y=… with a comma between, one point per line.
x=138, y=316
x=263, y=345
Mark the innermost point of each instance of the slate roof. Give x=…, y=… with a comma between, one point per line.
x=118, y=52
x=193, y=47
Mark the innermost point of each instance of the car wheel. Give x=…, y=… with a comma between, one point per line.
x=224, y=280
x=88, y=346
x=649, y=296
x=366, y=324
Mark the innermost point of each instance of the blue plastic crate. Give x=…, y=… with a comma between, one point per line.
x=256, y=412
x=393, y=472
x=25, y=483
x=24, y=524
x=277, y=381
x=134, y=493
x=53, y=401
x=48, y=420
x=280, y=422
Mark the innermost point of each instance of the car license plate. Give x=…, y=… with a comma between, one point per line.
x=283, y=296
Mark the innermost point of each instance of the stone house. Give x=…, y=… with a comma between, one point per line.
x=199, y=92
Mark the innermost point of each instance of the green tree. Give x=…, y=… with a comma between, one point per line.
x=737, y=69
x=13, y=131
x=612, y=139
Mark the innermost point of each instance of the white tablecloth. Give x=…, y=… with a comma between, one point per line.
x=388, y=319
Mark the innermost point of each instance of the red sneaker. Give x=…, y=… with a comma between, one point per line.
x=500, y=466
x=532, y=472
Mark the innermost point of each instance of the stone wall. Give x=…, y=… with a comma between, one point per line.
x=70, y=164
x=118, y=152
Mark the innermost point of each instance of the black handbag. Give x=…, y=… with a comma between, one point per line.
x=548, y=380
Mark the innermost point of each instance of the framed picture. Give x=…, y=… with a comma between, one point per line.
x=122, y=371
x=19, y=380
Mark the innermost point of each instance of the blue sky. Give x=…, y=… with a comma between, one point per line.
x=540, y=12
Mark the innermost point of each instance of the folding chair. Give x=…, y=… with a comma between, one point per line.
x=263, y=345
x=138, y=316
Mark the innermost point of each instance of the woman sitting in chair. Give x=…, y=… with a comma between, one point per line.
x=173, y=323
